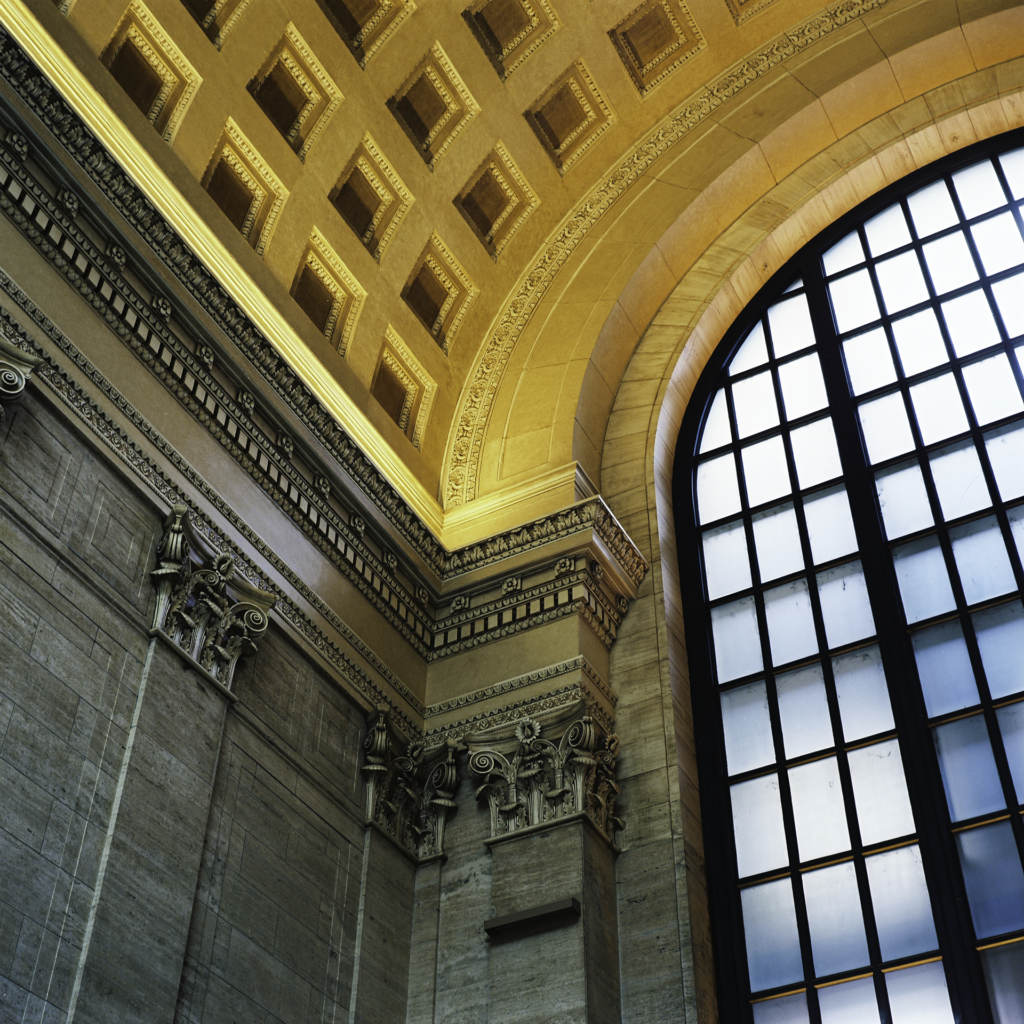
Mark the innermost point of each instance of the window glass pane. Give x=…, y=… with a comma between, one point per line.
x=772, y=940
x=852, y=1002
x=863, y=695
x=981, y=560
x=818, y=809
x=1016, y=519
x=737, y=640
x=803, y=389
x=899, y=896
x=970, y=323
x=902, y=282
x=845, y=607
x=753, y=352
x=853, y=301
x=786, y=1010
x=718, y=492
x=924, y=583
x=815, y=453
x=903, y=500
x=1011, y=728
x=777, y=539
x=790, y=625
x=803, y=709
x=757, y=825
x=748, y=728
x=726, y=564
x=999, y=243
x=1013, y=168
x=754, y=401
x=834, y=916
x=880, y=790
x=885, y=427
x=919, y=342
x=918, y=995
x=830, y=525
x=765, y=471
x=1004, y=976
x=944, y=667
x=949, y=262
x=959, y=480
x=939, y=410
x=968, y=768
x=887, y=231
x=1009, y=295
x=932, y=210
x=843, y=255
x=1005, y=449
x=790, y=323
x=868, y=361
x=993, y=877
x=992, y=389
x=717, y=431
x=1000, y=633
x=978, y=189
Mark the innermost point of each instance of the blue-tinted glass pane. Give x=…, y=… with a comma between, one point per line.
x=944, y=667
x=772, y=940
x=968, y=768
x=994, y=879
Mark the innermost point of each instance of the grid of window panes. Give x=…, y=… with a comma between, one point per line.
x=831, y=887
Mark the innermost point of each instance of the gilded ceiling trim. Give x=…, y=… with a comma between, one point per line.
x=461, y=478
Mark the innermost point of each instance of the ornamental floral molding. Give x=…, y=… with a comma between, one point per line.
x=16, y=368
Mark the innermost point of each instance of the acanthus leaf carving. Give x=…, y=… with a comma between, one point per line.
x=16, y=366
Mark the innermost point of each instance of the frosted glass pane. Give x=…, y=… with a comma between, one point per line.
x=1016, y=518
x=1000, y=633
x=1009, y=295
x=968, y=768
x=853, y=1002
x=765, y=471
x=924, y=583
x=919, y=342
x=999, y=243
x=1004, y=976
x=777, y=539
x=843, y=255
x=978, y=189
x=918, y=995
x=899, y=896
x=718, y=492
x=992, y=389
x=944, y=668
x=747, y=727
x=726, y=564
x=790, y=625
x=1011, y=728
x=868, y=361
x=790, y=323
x=901, y=281
x=959, y=481
x=757, y=825
x=818, y=809
x=787, y=1010
x=949, y=262
x=754, y=402
x=803, y=389
x=803, y=709
x=835, y=919
x=830, y=525
x=845, y=607
x=773, y=943
x=1013, y=168
x=753, y=352
x=970, y=323
x=885, y=427
x=981, y=560
x=939, y=410
x=717, y=431
x=993, y=877
x=1005, y=449
x=853, y=301
x=903, y=500
x=887, y=231
x=880, y=791
x=932, y=210
x=815, y=453
x=737, y=640
x=863, y=696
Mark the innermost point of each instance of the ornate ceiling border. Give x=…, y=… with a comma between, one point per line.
x=462, y=469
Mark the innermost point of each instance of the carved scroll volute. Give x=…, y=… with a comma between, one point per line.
x=377, y=746
x=16, y=368
x=439, y=798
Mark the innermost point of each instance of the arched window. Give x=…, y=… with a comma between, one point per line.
x=850, y=504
